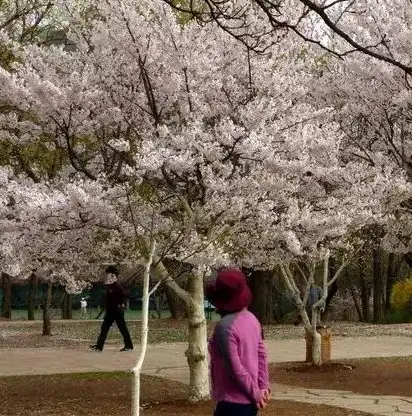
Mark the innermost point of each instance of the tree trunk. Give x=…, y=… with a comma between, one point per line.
x=393, y=269
x=260, y=283
x=176, y=306
x=356, y=303
x=197, y=353
x=31, y=300
x=331, y=293
x=6, y=285
x=46, y=310
x=145, y=332
x=365, y=297
x=378, y=277
x=67, y=310
x=316, y=348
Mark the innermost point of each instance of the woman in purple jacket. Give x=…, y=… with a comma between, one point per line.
x=239, y=368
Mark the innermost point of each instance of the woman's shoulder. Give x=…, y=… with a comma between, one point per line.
x=245, y=319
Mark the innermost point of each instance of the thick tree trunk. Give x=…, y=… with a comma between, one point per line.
x=6, y=285
x=197, y=353
x=356, y=303
x=261, y=285
x=193, y=300
x=67, y=310
x=393, y=269
x=31, y=295
x=365, y=297
x=46, y=310
x=378, y=286
x=176, y=306
x=316, y=348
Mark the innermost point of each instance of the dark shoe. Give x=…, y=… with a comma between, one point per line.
x=125, y=349
x=95, y=348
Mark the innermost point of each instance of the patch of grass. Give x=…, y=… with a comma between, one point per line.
x=397, y=317
x=90, y=376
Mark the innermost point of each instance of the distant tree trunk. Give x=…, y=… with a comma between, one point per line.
x=393, y=270
x=177, y=308
x=261, y=285
x=6, y=285
x=156, y=302
x=365, y=296
x=30, y=300
x=378, y=286
x=67, y=310
x=46, y=310
x=356, y=303
x=408, y=259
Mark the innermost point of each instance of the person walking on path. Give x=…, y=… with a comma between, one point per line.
x=239, y=367
x=83, y=308
x=315, y=294
x=114, y=311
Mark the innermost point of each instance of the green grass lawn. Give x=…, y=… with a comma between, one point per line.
x=86, y=331
x=21, y=314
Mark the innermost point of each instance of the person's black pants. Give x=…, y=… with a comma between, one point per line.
x=235, y=409
x=109, y=318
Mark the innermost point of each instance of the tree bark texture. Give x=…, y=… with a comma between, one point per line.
x=67, y=310
x=197, y=353
x=46, y=310
x=356, y=303
x=378, y=285
x=6, y=286
x=144, y=336
x=316, y=349
x=261, y=285
x=176, y=306
x=31, y=297
x=365, y=288
x=392, y=277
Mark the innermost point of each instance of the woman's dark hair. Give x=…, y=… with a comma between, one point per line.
x=112, y=270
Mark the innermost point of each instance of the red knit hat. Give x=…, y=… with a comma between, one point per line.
x=229, y=292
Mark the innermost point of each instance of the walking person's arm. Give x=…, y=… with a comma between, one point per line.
x=263, y=375
x=263, y=379
x=228, y=342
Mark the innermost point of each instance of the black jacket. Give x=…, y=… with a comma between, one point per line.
x=115, y=297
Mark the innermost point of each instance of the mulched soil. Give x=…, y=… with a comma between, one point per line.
x=375, y=376
x=108, y=394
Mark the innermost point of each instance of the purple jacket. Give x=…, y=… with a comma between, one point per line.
x=239, y=367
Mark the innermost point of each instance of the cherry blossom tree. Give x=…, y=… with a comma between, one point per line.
x=339, y=27
x=310, y=200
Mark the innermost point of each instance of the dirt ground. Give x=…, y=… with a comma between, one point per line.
x=377, y=376
x=108, y=394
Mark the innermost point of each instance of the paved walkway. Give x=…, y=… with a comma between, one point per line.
x=168, y=360
x=378, y=405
